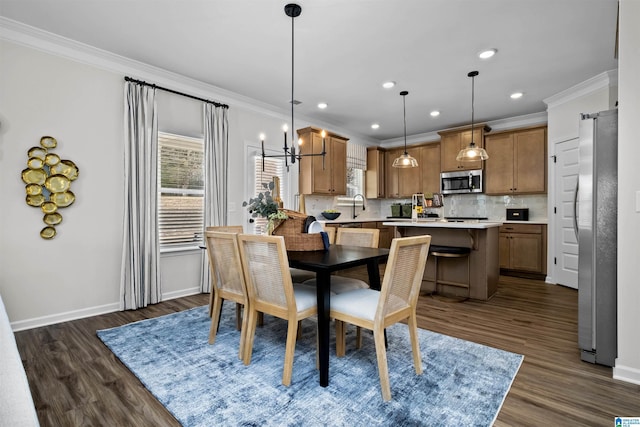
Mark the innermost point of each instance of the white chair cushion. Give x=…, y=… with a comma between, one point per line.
x=306, y=296
x=340, y=284
x=360, y=303
x=299, y=276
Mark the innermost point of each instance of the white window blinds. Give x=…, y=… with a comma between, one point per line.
x=356, y=156
x=181, y=193
x=272, y=167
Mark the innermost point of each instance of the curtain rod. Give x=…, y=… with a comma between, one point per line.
x=217, y=104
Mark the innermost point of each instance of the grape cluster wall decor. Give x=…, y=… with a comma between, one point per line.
x=48, y=180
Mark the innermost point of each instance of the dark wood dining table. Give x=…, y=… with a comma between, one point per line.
x=323, y=263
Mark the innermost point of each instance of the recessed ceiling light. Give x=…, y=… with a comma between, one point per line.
x=486, y=54
x=388, y=85
x=435, y=113
x=375, y=126
x=322, y=105
x=516, y=95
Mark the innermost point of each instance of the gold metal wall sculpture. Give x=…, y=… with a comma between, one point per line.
x=48, y=179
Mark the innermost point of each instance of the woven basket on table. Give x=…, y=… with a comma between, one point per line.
x=292, y=229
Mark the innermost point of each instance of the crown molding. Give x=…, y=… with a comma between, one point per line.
x=602, y=80
x=500, y=124
x=44, y=41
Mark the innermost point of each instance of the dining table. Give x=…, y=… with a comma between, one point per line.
x=324, y=263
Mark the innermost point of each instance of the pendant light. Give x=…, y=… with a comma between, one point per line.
x=472, y=153
x=292, y=10
x=405, y=160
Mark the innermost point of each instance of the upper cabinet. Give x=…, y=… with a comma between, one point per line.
x=452, y=141
x=517, y=161
x=405, y=182
x=374, y=181
x=323, y=176
x=429, y=162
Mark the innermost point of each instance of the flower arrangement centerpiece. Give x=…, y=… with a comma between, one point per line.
x=263, y=205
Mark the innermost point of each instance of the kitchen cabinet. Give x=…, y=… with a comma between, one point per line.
x=452, y=141
x=375, y=175
x=402, y=182
x=523, y=247
x=430, y=166
x=328, y=177
x=517, y=162
x=386, y=235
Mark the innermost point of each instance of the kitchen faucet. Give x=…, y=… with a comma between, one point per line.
x=354, y=204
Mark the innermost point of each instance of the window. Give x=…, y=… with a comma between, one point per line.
x=181, y=195
x=356, y=166
x=272, y=167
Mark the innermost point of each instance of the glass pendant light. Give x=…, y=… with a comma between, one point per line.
x=472, y=153
x=405, y=160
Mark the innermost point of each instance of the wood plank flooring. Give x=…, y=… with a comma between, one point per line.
x=76, y=381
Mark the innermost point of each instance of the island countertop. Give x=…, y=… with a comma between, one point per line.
x=478, y=225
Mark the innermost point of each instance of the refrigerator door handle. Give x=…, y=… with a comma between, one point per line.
x=575, y=210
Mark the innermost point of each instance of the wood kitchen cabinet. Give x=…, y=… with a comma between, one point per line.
x=430, y=166
x=402, y=182
x=517, y=162
x=386, y=235
x=318, y=177
x=452, y=141
x=523, y=248
x=375, y=175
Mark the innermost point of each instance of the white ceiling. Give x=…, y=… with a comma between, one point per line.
x=344, y=50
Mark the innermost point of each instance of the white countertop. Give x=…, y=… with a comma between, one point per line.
x=474, y=224
x=347, y=219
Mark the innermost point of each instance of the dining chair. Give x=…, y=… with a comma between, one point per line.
x=365, y=237
x=226, y=229
x=271, y=291
x=228, y=281
x=395, y=302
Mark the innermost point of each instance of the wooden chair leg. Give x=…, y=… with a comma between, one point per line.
x=215, y=318
x=340, y=339
x=243, y=331
x=260, y=319
x=299, y=331
x=211, y=296
x=383, y=369
x=250, y=335
x=358, y=337
x=289, y=352
x=415, y=344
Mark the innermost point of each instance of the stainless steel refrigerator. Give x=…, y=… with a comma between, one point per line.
x=596, y=224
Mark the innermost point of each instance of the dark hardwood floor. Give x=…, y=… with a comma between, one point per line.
x=76, y=381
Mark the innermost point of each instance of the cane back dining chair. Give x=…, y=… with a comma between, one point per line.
x=396, y=301
x=271, y=291
x=225, y=229
x=228, y=282
x=365, y=237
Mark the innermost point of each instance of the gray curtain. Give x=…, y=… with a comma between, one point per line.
x=216, y=143
x=140, y=274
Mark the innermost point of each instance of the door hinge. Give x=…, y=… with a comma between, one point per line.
x=555, y=260
x=554, y=158
x=555, y=210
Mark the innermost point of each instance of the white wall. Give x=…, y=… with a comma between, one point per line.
x=77, y=271
x=628, y=362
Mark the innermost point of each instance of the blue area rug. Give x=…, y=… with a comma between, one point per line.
x=463, y=384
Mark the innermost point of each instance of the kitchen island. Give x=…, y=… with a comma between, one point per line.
x=480, y=236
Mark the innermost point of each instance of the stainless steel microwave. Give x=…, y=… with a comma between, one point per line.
x=461, y=182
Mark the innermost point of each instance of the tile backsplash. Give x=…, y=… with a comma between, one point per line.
x=457, y=205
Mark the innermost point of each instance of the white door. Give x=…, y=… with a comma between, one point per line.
x=566, y=245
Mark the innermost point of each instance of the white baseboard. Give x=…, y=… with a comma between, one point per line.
x=37, y=322
x=67, y=316
x=626, y=373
